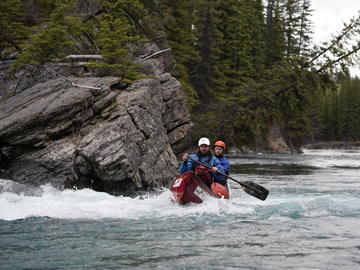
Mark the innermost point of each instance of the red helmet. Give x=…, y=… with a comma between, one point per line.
x=220, y=144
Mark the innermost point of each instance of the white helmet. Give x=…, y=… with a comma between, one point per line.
x=204, y=141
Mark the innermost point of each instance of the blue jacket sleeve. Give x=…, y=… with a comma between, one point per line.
x=217, y=164
x=184, y=167
x=226, y=165
x=188, y=165
x=219, y=177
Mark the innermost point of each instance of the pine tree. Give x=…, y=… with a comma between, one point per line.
x=304, y=32
x=54, y=40
x=349, y=109
x=345, y=100
x=206, y=77
x=258, y=33
x=115, y=32
x=356, y=124
x=242, y=42
x=340, y=111
x=12, y=28
x=112, y=39
x=234, y=60
x=179, y=19
x=275, y=38
x=297, y=30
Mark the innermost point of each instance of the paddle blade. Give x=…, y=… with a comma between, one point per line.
x=255, y=190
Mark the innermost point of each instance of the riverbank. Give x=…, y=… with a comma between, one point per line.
x=342, y=145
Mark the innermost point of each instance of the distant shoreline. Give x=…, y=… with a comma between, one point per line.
x=344, y=145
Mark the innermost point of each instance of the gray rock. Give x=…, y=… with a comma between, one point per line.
x=94, y=132
x=28, y=77
x=52, y=164
x=275, y=140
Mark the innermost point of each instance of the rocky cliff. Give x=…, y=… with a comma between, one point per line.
x=94, y=132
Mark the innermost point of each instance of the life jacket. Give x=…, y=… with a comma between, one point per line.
x=204, y=174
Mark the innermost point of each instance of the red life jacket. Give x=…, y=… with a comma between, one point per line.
x=204, y=174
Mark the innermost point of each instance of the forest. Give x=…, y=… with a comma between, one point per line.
x=243, y=64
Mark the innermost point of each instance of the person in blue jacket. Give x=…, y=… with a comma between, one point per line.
x=203, y=155
x=219, y=153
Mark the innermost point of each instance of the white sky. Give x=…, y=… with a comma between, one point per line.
x=329, y=15
x=328, y=18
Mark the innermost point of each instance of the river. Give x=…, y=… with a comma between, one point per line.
x=310, y=220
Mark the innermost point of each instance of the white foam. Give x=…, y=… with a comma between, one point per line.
x=89, y=204
x=333, y=158
x=47, y=201
x=331, y=152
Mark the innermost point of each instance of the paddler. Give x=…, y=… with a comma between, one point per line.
x=205, y=156
x=219, y=148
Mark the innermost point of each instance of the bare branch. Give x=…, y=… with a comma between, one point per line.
x=156, y=53
x=346, y=30
x=331, y=63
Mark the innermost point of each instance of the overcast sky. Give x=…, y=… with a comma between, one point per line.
x=328, y=18
x=329, y=15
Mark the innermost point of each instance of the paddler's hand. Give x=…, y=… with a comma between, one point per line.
x=185, y=157
x=214, y=169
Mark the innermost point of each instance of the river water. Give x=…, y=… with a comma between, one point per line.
x=311, y=220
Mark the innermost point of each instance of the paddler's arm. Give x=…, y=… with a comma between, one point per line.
x=186, y=165
x=226, y=165
x=217, y=167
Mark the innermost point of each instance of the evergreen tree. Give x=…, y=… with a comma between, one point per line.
x=304, y=32
x=298, y=28
x=345, y=100
x=206, y=77
x=53, y=40
x=356, y=124
x=275, y=38
x=115, y=32
x=349, y=109
x=240, y=70
x=242, y=43
x=331, y=130
x=179, y=19
x=258, y=34
x=234, y=60
x=12, y=28
x=340, y=111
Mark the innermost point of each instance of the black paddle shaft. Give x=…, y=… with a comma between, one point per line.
x=249, y=187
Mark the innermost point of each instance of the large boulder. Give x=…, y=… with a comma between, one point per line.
x=94, y=132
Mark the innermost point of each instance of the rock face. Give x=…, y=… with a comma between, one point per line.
x=275, y=141
x=94, y=132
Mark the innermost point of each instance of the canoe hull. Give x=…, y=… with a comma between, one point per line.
x=189, y=188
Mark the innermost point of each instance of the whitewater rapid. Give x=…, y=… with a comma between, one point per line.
x=20, y=202
x=310, y=220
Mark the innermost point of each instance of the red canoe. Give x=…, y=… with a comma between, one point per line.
x=188, y=187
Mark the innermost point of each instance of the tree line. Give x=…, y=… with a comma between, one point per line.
x=243, y=64
x=340, y=111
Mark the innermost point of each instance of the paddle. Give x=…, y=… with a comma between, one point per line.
x=249, y=187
